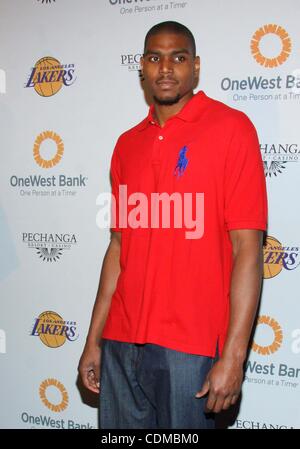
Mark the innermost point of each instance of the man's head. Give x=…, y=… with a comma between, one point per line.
x=169, y=65
x=171, y=28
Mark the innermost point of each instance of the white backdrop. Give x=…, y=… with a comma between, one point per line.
x=56, y=141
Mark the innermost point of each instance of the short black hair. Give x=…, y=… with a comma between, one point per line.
x=171, y=27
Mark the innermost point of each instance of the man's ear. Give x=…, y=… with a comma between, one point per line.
x=197, y=65
x=141, y=74
x=142, y=64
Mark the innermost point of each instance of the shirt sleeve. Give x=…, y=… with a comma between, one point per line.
x=245, y=184
x=115, y=176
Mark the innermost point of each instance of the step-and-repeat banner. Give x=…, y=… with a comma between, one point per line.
x=69, y=86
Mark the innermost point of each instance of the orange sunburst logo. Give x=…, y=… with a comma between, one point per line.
x=63, y=404
x=48, y=163
x=286, y=45
x=278, y=336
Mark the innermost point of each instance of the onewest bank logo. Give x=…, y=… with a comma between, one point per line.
x=285, y=40
x=264, y=49
x=54, y=383
x=273, y=345
x=48, y=76
x=44, y=137
x=48, y=151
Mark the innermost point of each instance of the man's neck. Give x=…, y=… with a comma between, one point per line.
x=164, y=112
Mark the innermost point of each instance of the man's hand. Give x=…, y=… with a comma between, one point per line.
x=89, y=367
x=223, y=383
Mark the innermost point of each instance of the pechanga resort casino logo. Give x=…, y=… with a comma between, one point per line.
x=48, y=76
x=49, y=247
x=45, y=136
x=251, y=424
x=257, y=41
x=53, y=330
x=48, y=391
x=131, y=61
x=276, y=157
x=277, y=257
x=274, y=342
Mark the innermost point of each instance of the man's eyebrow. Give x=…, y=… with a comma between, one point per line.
x=175, y=52
x=182, y=50
x=152, y=52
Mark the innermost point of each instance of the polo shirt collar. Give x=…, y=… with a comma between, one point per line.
x=189, y=112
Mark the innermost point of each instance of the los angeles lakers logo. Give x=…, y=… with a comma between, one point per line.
x=277, y=257
x=48, y=76
x=53, y=330
x=272, y=265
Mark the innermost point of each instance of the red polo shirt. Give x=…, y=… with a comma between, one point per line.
x=172, y=290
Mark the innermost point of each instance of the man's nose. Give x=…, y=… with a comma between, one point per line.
x=165, y=65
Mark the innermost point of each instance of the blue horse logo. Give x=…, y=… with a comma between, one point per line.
x=181, y=163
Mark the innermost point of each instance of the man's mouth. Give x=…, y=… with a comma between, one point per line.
x=166, y=83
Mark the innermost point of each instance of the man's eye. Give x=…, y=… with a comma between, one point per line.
x=179, y=58
x=153, y=58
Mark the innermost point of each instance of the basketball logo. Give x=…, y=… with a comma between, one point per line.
x=48, y=76
x=47, y=320
x=47, y=87
x=273, y=256
x=53, y=330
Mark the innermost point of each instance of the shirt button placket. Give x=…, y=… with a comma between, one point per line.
x=156, y=148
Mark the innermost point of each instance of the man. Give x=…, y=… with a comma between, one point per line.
x=174, y=310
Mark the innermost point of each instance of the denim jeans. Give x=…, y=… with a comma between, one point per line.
x=148, y=386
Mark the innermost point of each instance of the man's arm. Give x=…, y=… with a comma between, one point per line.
x=223, y=382
x=89, y=364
